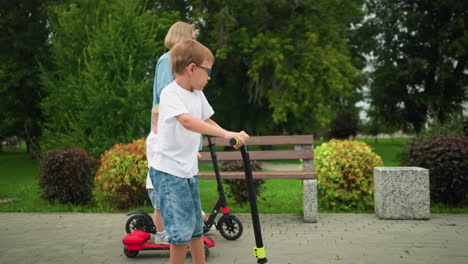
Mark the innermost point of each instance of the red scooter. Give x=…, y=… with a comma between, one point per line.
x=137, y=241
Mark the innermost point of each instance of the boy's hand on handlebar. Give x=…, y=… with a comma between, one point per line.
x=245, y=136
x=241, y=137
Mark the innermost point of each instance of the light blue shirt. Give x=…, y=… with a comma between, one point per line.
x=162, y=77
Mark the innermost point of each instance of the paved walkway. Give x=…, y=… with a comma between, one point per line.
x=337, y=238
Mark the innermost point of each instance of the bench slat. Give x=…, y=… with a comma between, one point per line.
x=240, y=175
x=261, y=155
x=268, y=140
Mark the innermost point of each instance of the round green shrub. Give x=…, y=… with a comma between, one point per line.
x=344, y=171
x=446, y=158
x=67, y=175
x=237, y=189
x=121, y=178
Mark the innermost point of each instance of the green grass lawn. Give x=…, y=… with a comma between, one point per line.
x=19, y=180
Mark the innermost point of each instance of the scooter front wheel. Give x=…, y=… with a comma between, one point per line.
x=230, y=227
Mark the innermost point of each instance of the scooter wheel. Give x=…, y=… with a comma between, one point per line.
x=230, y=227
x=137, y=222
x=130, y=254
x=207, y=251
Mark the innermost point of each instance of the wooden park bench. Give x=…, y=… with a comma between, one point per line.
x=303, y=149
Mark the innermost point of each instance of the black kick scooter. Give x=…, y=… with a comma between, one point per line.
x=259, y=250
x=229, y=226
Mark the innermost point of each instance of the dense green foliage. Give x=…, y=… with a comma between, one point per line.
x=419, y=54
x=121, y=177
x=100, y=85
x=446, y=158
x=22, y=43
x=284, y=66
x=345, y=174
x=237, y=189
x=67, y=176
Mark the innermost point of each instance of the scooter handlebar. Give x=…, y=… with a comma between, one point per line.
x=233, y=141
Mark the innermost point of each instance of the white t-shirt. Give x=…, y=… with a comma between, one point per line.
x=177, y=147
x=150, y=153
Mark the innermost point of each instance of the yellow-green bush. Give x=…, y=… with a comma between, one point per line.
x=121, y=178
x=345, y=174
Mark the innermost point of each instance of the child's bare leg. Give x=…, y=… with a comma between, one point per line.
x=178, y=253
x=197, y=250
x=158, y=221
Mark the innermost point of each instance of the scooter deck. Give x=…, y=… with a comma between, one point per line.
x=139, y=240
x=154, y=246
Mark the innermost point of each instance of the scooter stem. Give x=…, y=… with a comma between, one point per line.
x=259, y=251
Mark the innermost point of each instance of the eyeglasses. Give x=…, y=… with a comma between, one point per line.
x=208, y=70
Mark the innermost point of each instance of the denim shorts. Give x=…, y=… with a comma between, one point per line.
x=153, y=193
x=179, y=202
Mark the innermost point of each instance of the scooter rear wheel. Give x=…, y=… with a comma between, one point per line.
x=137, y=222
x=207, y=251
x=230, y=227
x=130, y=254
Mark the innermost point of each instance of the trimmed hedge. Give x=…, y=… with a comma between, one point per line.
x=446, y=157
x=67, y=175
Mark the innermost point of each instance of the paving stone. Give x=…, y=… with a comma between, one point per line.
x=55, y=238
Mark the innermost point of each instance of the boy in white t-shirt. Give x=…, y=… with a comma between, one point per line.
x=184, y=113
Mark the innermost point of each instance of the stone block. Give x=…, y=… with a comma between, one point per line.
x=401, y=193
x=310, y=200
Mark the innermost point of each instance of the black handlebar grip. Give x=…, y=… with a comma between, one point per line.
x=233, y=141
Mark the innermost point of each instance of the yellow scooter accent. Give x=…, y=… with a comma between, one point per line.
x=259, y=253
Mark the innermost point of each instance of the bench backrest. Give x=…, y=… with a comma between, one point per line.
x=303, y=148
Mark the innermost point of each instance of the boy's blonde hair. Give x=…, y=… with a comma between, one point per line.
x=189, y=51
x=179, y=31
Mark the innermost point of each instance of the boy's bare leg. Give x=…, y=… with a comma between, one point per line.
x=158, y=220
x=178, y=253
x=197, y=250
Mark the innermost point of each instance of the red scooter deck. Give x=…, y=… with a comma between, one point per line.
x=137, y=241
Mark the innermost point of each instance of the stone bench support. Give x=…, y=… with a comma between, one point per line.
x=309, y=197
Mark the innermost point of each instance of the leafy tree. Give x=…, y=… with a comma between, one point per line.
x=281, y=66
x=22, y=43
x=99, y=88
x=419, y=51
x=345, y=124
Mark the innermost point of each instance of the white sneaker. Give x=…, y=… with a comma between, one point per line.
x=161, y=238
